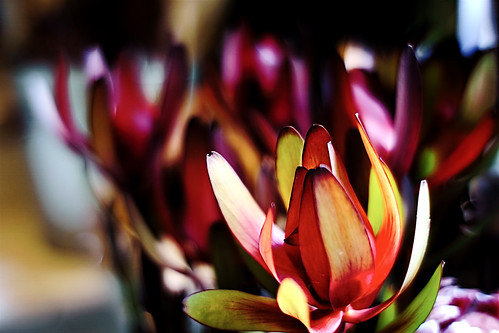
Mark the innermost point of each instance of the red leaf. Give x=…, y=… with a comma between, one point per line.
x=315, y=151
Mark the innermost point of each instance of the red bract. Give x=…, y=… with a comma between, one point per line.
x=329, y=262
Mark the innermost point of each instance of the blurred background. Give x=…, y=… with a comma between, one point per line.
x=54, y=274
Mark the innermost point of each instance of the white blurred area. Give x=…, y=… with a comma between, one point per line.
x=52, y=278
x=58, y=173
x=358, y=56
x=476, y=25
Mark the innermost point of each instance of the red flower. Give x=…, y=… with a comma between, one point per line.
x=329, y=262
x=126, y=129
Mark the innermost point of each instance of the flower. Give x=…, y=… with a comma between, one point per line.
x=329, y=262
x=130, y=133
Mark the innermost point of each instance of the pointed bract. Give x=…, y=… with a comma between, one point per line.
x=243, y=215
x=389, y=236
x=315, y=152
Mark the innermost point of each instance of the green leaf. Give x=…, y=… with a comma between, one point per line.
x=388, y=315
x=239, y=311
x=419, y=309
x=288, y=158
x=428, y=162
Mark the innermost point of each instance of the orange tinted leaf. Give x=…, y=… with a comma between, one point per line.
x=345, y=239
x=418, y=250
x=312, y=251
x=315, y=151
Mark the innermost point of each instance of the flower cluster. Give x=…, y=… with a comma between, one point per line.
x=329, y=248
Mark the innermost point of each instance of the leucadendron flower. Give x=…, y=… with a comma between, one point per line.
x=329, y=261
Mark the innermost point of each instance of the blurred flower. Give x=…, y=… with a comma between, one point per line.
x=131, y=126
x=394, y=133
x=330, y=261
x=459, y=126
x=267, y=85
x=150, y=140
x=443, y=119
x=157, y=202
x=262, y=82
x=126, y=130
x=462, y=310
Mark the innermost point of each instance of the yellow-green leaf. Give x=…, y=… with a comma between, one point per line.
x=293, y=301
x=375, y=202
x=390, y=314
x=239, y=311
x=420, y=234
x=288, y=158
